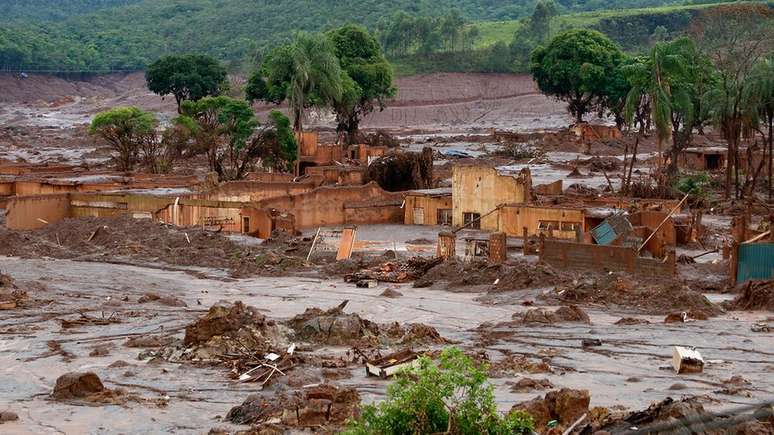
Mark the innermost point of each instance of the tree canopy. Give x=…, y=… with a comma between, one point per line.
x=226, y=130
x=366, y=77
x=187, y=77
x=305, y=73
x=125, y=129
x=575, y=67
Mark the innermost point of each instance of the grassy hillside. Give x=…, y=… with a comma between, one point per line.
x=128, y=34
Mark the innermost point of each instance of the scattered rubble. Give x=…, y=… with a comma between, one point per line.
x=565, y=406
x=324, y=406
x=526, y=385
x=755, y=295
x=571, y=313
x=391, y=293
x=396, y=271
x=620, y=290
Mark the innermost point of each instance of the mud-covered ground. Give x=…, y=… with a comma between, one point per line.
x=630, y=369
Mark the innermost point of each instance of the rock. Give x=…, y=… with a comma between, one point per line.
x=75, y=385
x=684, y=316
x=538, y=409
x=569, y=404
x=8, y=416
x=565, y=405
x=169, y=301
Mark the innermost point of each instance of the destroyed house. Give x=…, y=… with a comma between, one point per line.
x=752, y=256
x=428, y=207
x=480, y=191
x=703, y=158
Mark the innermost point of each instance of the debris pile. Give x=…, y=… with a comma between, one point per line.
x=688, y=416
x=396, y=271
x=11, y=296
x=756, y=295
x=512, y=364
x=236, y=333
x=324, y=406
x=333, y=326
x=619, y=290
x=402, y=171
x=570, y=313
x=565, y=406
x=143, y=241
x=525, y=385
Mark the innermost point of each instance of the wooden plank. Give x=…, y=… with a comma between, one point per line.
x=347, y=244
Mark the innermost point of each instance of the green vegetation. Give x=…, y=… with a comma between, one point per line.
x=104, y=35
x=126, y=129
x=226, y=131
x=366, y=77
x=452, y=397
x=577, y=67
x=187, y=77
x=305, y=72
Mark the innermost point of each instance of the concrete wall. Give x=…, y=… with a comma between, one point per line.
x=598, y=258
x=329, y=205
x=513, y=219
x=252, y=191
x=344, y=175
x=32, y=212
x=480, y=189
x=429, y=206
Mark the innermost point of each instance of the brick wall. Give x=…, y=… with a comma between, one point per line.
x=599, y=258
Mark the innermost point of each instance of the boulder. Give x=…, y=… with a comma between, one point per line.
x=76, y=385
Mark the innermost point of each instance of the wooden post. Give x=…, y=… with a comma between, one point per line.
x=771, y=228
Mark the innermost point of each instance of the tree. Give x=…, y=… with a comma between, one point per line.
x=126, y=129
x=305, y=73
x=540, y=22
x=671, y=81
x=452, y=397
x=763, y=90
x=366, y=80
x=228, y=133
x=735, y=37
x=187, y=77
x=575, y=67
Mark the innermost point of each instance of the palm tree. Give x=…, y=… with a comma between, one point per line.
x=315, y=75
x=665, y=81
x=762, y=88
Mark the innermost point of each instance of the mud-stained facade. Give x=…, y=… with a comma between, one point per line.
x=561, y=222
x=428, y=207
x=478, y=191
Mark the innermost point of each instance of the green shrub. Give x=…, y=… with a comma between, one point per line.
x=452, y=396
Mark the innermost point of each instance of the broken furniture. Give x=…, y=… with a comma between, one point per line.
x=392, y=363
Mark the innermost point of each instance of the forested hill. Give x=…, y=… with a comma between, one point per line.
x=88, y=35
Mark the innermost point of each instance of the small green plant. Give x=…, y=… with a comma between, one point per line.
x=451, y=397
x=695, y=184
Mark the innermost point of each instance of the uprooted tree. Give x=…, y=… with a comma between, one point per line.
x=227, y=132
x=452, y=397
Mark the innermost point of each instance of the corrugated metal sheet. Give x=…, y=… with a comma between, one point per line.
x=609, y=230
x=755, y=261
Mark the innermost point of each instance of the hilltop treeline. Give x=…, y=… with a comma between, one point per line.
x=79, y=35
